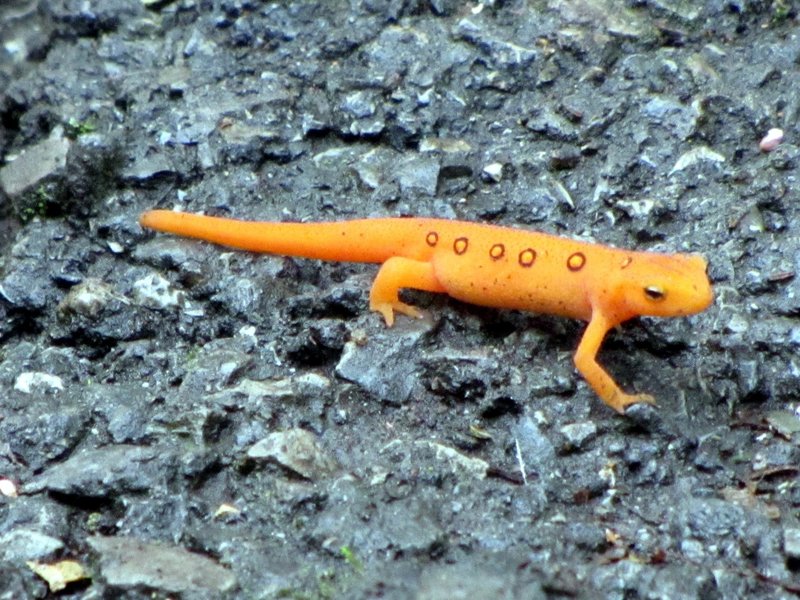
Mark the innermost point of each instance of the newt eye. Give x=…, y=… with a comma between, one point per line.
x=655, y=293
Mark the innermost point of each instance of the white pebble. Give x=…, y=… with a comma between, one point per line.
x=493, y=172
x=8, y=488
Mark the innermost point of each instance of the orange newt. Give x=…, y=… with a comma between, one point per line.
x=486, y=265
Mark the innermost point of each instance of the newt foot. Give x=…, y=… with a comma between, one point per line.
x=620, y=401
x=387, y=309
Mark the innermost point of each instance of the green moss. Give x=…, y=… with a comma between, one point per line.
x=93, y=521
x=349, y=556
x=75, y=128
x=781, y=10
x=36, y=205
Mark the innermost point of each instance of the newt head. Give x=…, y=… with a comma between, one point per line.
x=663, y=285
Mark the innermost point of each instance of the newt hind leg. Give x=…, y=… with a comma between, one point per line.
x=396, y=273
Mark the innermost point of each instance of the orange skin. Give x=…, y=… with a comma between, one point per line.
x=486, y=265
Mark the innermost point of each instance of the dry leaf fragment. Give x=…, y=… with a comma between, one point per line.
x=60, y=574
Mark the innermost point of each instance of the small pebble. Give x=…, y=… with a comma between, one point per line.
x=791, y=543
x=492, y=172
x=772, y=140
x=8, y=488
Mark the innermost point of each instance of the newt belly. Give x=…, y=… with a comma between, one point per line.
x=487, y=265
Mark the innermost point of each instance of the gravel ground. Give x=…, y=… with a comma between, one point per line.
x=181, y=420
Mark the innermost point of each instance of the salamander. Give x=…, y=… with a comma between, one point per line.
x=487, y=265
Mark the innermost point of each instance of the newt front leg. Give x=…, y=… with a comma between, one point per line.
x=600, y=381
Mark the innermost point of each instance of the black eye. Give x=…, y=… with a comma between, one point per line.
x=653, y=292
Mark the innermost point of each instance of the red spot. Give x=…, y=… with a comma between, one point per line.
x=527, y=257
x=576, y=261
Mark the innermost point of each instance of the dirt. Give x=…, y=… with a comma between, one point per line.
x=180, y=419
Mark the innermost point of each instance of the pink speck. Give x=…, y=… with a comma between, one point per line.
x=771, y=141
